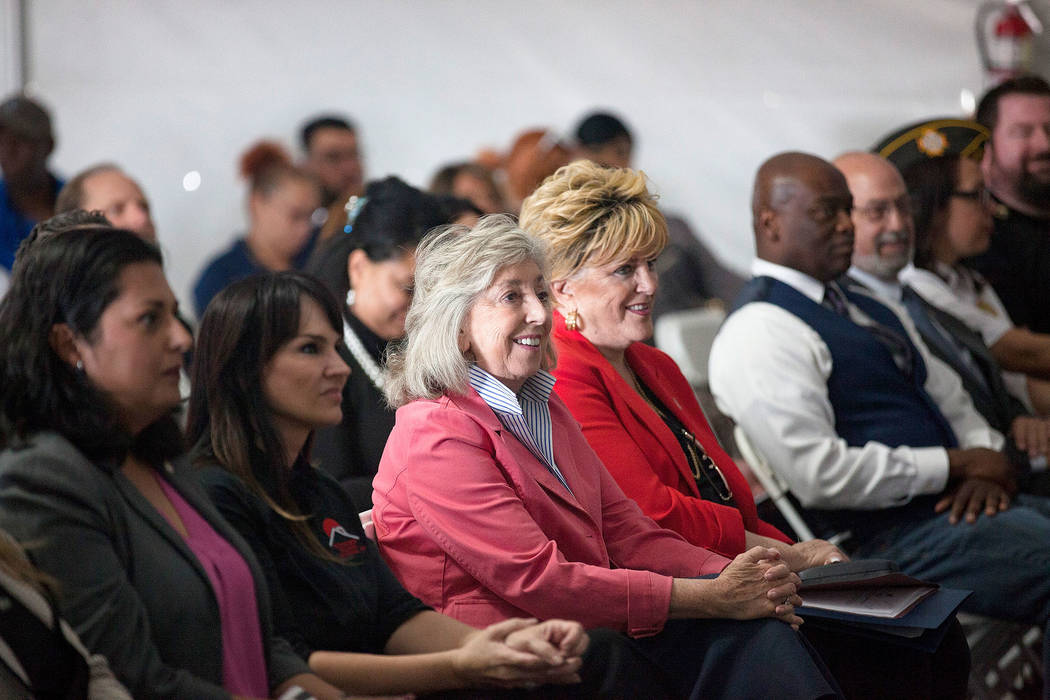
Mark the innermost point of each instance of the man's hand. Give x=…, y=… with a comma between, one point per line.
x=982, y=463
x=971, y=497
x=805, y=555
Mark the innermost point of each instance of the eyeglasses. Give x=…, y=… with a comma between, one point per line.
x=982, y=196
x=877, y=211
x=705, y=469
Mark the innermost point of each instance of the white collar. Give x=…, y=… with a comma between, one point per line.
x=886, y=289
x=800, y=281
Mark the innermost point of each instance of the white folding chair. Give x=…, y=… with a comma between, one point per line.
x=687, y=337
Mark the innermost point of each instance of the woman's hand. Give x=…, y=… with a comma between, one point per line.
x=1031, y=435
x=757, y=584
x=805, y=555
x=520, y=652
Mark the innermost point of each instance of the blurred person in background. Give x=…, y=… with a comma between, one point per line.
x=691, y=274
x=108, y=189
x=470, y=181
x=28, y=189
x=281, y=201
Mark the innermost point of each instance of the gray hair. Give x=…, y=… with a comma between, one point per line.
x=454, y=266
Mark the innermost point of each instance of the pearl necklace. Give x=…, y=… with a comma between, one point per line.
x=364, y=358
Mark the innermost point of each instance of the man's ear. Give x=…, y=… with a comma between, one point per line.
x=63, y=342
x=767, y=226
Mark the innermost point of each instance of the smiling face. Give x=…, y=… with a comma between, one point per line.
x=303, y=381
x=383, y=291
x=1017, y=159
x=614, y=302
x=507, y=330
x=882, y=222
x=134, y=354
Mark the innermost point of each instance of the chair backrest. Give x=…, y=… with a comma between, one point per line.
x=687, y=337
x=775, y=487
x=780, y=494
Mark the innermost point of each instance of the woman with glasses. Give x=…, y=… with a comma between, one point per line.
x=952, y=213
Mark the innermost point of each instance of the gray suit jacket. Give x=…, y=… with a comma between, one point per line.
x=130, y=586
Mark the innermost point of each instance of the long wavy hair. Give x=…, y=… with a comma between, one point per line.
x=229, y=420
x=70, y=277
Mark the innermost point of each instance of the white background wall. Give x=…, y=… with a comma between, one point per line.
x=711, y=88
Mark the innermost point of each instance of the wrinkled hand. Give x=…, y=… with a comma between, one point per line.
x=520, y=652
x=805, y=555
x=757, y=584
x=1031, y=435
x=972, y=497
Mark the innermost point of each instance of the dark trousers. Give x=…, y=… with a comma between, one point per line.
x=757, y=659
x=870, y=668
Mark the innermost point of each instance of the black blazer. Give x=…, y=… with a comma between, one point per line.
x=130, y=586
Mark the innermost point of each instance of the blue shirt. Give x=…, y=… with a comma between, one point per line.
x=236, y=264
x=526, y=414
x=14, y=225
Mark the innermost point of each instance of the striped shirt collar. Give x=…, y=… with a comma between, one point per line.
x=526, y=414
x=499, y=396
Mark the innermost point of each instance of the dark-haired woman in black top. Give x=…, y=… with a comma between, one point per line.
x=372, y=266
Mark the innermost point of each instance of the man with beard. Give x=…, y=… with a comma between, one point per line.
x=1016, y=169
x=884, y=240
x=871, y=432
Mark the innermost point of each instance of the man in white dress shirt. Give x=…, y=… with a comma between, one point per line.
x=871, y=432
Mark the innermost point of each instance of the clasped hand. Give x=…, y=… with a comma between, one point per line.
x=523, y=652
x=758, y=584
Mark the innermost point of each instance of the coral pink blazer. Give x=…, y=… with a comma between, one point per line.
x=474, y=525
x=642, y=453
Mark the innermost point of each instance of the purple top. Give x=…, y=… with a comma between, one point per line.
x=243, y=667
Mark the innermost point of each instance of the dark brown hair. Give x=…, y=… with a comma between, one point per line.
x=229, y=419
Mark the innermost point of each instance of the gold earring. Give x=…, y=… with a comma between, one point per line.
x=572, y=321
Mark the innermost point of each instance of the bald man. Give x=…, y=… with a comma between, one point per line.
x=108, y=189
x=883, y=245
x=872, y=433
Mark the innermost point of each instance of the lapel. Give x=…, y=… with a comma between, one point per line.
x=138, y=503
x=649, y=375
x=528, y=464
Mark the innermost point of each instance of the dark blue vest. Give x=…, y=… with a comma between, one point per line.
x=872, y=399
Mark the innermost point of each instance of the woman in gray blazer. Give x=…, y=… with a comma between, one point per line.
x=91, y=475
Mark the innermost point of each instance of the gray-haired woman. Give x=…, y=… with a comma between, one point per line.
x=490, y=504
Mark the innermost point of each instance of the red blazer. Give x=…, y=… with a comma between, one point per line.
x=474, y=525
x=642, y=453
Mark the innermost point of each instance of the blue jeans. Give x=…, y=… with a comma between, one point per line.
x=1003, y=559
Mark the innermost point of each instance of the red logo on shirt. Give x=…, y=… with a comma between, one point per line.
x=340, y=540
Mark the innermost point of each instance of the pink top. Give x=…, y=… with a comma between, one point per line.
x=243, y=667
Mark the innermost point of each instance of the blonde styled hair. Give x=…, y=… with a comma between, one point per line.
x=590, y=214
x=454, y=266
